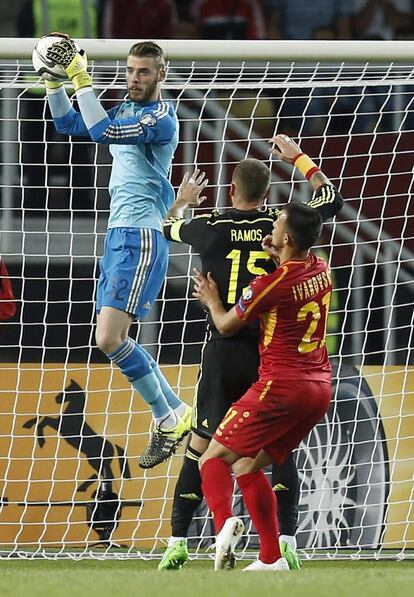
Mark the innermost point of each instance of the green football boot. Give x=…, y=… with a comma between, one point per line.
x=174, y=557
x=290, y=556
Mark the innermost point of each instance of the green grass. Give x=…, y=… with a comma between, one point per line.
x=39, y=578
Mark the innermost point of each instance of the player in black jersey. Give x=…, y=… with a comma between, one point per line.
x=230, y=247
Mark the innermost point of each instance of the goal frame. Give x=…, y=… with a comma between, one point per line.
x=325, y=52
x=198, y=49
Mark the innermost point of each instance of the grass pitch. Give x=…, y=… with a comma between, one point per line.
x=42, y=578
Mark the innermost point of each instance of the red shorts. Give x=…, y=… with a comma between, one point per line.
x=275, y=419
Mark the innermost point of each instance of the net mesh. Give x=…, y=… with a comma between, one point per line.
x=71, y=428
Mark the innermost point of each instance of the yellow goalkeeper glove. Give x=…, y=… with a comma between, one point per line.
x=53, y=84
x=74, y=62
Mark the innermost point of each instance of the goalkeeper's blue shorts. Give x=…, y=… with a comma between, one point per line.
x=133, y=269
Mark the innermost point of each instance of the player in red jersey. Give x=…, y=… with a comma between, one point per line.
x=294, y=387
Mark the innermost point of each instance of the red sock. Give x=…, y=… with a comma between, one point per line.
x=217, y=485
x=260, y=500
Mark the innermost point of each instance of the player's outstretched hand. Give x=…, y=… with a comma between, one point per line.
x=269, y=249
x=205, y=288
x=191, y=188
x=62, y=52
x=74, y=61
x=284, y=148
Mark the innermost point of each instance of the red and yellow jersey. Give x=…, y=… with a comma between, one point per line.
x=292, y=305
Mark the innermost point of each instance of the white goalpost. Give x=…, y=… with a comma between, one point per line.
x=71, y=429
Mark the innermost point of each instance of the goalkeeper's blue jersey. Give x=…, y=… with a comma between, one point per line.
x=141, y=193
x=142, y=139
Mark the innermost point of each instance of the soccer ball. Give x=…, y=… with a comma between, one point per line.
x=46, y=68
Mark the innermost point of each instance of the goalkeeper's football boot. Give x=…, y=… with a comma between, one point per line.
x=290, y=556
x=187, y=417
x=258, y=566
x=174, y=557
x=226, y=542
x=164, y=442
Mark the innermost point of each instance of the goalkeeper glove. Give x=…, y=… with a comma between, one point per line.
x=74, y=62
x=52, y=84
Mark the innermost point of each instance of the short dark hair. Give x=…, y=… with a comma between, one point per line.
x=148, y=48
x=252, y=178
x=304, y=224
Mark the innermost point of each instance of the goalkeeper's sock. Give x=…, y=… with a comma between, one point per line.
x=172, y=399
x=217, y=485
x=167, y=423
x=261, y=503
x=133, y=362
x=188, y=494
x=285, y=481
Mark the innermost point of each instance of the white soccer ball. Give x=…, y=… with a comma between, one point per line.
x=42, y=65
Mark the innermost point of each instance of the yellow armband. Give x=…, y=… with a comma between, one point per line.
x=305, y=165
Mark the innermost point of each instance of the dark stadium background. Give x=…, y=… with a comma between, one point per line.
x=56, y=297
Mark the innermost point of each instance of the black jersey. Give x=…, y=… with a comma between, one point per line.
x=230, y=244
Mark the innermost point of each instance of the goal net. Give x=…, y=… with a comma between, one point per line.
x=71, y=427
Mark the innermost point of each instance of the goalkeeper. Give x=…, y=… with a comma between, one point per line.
x=230, y=247
x=142, y=134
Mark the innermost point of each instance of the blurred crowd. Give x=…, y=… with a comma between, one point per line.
x=211, y=19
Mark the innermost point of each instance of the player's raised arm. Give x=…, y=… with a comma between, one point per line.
x=327, y=200
x=176, y=228
x=66, y=119
x=188, y=194
x=157, y=124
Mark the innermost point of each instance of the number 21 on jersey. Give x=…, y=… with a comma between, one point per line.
x=309, y=341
